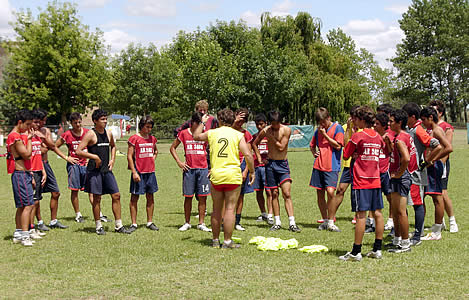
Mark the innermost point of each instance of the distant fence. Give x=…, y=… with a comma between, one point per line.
x=300, y=135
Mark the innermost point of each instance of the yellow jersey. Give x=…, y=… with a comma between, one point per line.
x=224, y=155
x=348, y=161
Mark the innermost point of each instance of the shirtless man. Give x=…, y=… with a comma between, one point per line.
x=277, y=170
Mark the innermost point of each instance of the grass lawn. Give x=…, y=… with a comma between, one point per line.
x=76, y=263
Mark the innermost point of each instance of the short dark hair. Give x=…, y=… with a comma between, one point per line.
x=260, y=118
x=366, y=114
x=145, y=120
x=440, y=106
x=401, y=116
x=196, y=117
x=385, y=107
x=74, y=116
x=353, y=109
x=383, y=119
x=412, y=109
x=98, y=113
x=429, y=111
x=23, y=116
x=321, y=114
x=39, y=114
x=226, y=116
x=274, y=116
x=243, y=110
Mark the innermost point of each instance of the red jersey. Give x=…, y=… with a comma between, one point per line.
x=395, y=159
x=367, y=145
x=144, y=150
x=384, y=160
x=446, y=126
x=263, y=149
x=195, y=151
x=12, y=138
x=72, y=142
x=36, y=155
x=248, y=138
x=329, y=158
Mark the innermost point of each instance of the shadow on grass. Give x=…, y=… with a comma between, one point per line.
x=91, y=229
x=336, y=252
x=204, y=242
x=8, y=237
x=73, y=218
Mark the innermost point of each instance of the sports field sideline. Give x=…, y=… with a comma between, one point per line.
x=76, y=263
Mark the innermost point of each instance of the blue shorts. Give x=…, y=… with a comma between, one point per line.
x=51, y=183
x=22, y=183
x=37, y=175
x=195, y=181
x=346, y=175
x=76, y=177
x=444, y=178
x=434, y=173
x=401, y=185
x=385, y=183
x=146, y=185
x=98, y=183
x=259, y=182
x=246, y=187
x=276, y=173
x=366, y=199
x=321, y=179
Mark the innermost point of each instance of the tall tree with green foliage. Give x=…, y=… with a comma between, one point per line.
x=56, y=63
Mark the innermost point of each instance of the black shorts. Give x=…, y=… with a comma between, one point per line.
x=444, y=178
x=98, y=183
x=51, y=183
x=37, y=175
x=401, y=185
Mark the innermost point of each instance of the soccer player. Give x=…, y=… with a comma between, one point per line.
x=141, y=155
x=99, y=177
x=403, y=162
x=277, y=170
x=241, y=117
x=201, y=107
x=449, y=131
x=19, y=150
x=195, y=179
x=326, y=146
x=366, y=186
x=259, y=183
x=225, y=175
x=429, y=117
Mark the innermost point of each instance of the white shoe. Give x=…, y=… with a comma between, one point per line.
x=33, y=235
x=333, y=228
x=16, y=240
x=27, y=242
x=432, y=236
x=239, y=227
x=388, y=225
x=349, y=256
x=453, y=227
x=40, y=233
x=203, y=228
x=375, y=254
x=323, y=226
x=185, y=227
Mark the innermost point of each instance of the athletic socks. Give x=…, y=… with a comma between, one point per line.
x=238, y=219
x=292, y=220
x=377, y=245
x=40, y=222
x=17, y=233
x=118, y=224
x=356, y=249
x=101, y=214
x=78, y=214
x=226, y=242
x=53, y=222
x=98, y=224
x=330, y=222
x=437, y=228
x=270, y=216
x=419, y=221
x=452, y=220
x=405, y=243
x=277, y=220
x=148, y=224
x=396, y=240
x=24, y=235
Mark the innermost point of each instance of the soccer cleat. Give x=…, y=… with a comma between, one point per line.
x=400, y=249
x=354, y=221
x=432, y=236
x=27, y=242
x=375, y=254
x=333, y=228
x=230, y=245
x=239, y=227
x=153, y=227
x=105, y=219
x=275, y=228
x=122, y=229
x=58, y=225
x=370, y=229
x=204, y=228
x=185, y=227
x=132, y=228
x=294, y=228
x=415, y=242
x=453, y=227
x=261, y=218
x=270, y=221
x=323, y=226
x=350, y=256
x=216, y=243
x=80, y=219
x=100, y=231
x=43, y=227
x=40, y=233
x=33, y=235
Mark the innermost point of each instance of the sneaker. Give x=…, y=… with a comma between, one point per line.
x=16, y=240
x=333, y=228
x=80, y=219
x=34, y=236
x=375, y=254
x=388, y=226
x=370, y=229
x=122, y=229
x=27, y=242
x=100, y=231
x=231, y=245
x=432, y=236
x=354, y=221
x=43, y=227
x=58, y=225
x=415, y=242
x=105, y=219
x=185, y=227
x=453, y=227
x=400, y=249
x=350, y=256
x=203, y=228
x=275, y=227
x=239, y=227
x=216, y=243
x=323, y=226
x=270, y=221
x=261, y=218
x=132, y=228
x=153, y=227
x=40, y=233
x=294, y=228
x=391, y=233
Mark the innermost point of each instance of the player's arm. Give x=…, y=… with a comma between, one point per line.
x=58, y=143
x=404, y=161
x=243, y=146
x=447, y=147
x=255, y=144
x=349, y=149
x=173, y=152
x=23, y=150
x=131, y=162
x=282, y=144
x=112, y=143
x=44, y=176
x=449, y=136
x=198, y=134
x=155, y=151
x=47, y=140
x=334, y=144
x=88, y=139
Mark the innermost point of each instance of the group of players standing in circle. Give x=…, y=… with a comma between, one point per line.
x=389, y=152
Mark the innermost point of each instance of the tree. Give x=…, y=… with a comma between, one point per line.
x=56, y=63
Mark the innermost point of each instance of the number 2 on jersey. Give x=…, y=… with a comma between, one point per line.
x=221, y=152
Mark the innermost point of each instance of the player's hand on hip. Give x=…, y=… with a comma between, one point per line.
x=98, y=162
x=252, y=177
x=72, y=160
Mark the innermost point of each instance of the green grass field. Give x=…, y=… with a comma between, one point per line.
x=76, y=263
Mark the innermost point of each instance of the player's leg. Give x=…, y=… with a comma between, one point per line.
x=333, y=205
x=215, y=219
x=202, y=190
x=150, y=207
x=285, y=185
x=395, y=204
x=322, y=203
x=453, y=226
x=52, y=187
x=270, y=210
x=133, y=206
x=276, y=209
x=239, y=209
x=261, y=201
x=202, y=206
x=229, y=218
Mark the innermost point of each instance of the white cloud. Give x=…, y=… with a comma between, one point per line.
x=251, y=18
x=282, y=9
x=152, y=8
x=364, y=26
x=94, y=3
x=205, y=7
x=6, y=16
x=279, y=9
x=118, y=40
x=146, y=27
x=398, y=8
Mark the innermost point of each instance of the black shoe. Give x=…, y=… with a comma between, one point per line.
x=105, y=219
x=294, y=228
x=370, y=229
x=132, y=228
x=275, y=228
x=152, y=226
x=122, y=230
x=58, y=225
x=100, y=231
x=43, y=227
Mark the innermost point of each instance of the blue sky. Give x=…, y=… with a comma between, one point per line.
x=372, y=24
